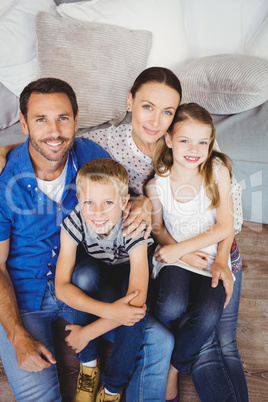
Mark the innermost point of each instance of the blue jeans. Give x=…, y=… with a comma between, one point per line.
x=218, y=374
x=191, y=308
x=148, y=380
x=99, y=280
x=42, y=386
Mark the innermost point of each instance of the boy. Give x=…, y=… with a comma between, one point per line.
x=102, y=192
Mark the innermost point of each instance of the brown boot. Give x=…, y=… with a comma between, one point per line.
x=87, y=384
x=102, y=397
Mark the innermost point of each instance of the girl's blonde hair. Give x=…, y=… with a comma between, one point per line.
x=163, y=157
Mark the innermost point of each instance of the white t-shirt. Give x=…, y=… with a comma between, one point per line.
x=185, y=220
x=54, y=188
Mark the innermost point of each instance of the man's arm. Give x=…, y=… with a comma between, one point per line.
x=31, y=355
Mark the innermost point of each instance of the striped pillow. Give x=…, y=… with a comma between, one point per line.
x=99, y=61
x=225, y=83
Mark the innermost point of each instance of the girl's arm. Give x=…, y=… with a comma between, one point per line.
x=4, y=150
x=221, y=270
x=220, y=231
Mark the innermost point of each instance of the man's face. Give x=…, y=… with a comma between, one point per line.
x=51, y=126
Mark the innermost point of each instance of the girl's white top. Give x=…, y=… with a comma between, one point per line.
x=185, y=220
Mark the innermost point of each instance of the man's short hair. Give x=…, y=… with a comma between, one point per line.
x=105, y=171
x=47, y=86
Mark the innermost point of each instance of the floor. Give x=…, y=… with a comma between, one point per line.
x=252, y=334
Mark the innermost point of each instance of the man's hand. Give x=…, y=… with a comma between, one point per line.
x=32, y=355
x=137, y=217
x=223, y=272
x=197, y=259
x=125, y=314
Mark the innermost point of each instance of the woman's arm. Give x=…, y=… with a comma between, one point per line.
x=220, y=231
x=137, y=217
x=4, y=150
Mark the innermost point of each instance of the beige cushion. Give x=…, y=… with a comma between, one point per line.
x=99, y=61
x=225, y=84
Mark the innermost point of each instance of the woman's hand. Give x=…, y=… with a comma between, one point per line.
x=3, y=162
x=223, y=272
x=137, y=217
x=197, y=259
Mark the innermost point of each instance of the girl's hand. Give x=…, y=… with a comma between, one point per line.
x=197, y=259
x=223, y=272
x=168, y=254
x=125, y=314
x=76, y=338
x=137, y=217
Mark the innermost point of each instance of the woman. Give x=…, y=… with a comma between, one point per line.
x=153, y=101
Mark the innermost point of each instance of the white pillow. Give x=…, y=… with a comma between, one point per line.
x=225, y=84
x=99, y=61
x=164, y=18
x=17, y=43
x=9, y=110
x=218, y=27
x=258, y=46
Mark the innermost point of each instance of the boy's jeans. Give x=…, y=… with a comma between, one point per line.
x=148, y=382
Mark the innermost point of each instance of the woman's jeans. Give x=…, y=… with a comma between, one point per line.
x=217, y=373
x=191, y=308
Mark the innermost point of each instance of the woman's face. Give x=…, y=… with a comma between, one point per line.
x=153, y=110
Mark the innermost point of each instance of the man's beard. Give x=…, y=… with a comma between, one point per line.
x=49, y=155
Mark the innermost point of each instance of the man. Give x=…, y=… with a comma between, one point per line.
x=37, y=191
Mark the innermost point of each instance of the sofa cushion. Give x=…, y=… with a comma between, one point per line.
x=99, y=61
x=225, y=84
x=9, y=110
x=164, y=18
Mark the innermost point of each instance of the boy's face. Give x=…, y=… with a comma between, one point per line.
x=101, y=205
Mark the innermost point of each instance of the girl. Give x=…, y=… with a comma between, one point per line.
x=192, y=212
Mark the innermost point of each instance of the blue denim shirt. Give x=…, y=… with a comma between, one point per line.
x=32, y=220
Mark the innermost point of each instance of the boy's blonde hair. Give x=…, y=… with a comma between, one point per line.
x=163, y=157
x=103, y=170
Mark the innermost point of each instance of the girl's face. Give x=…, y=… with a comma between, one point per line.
x=153, y=110
x=190, y=143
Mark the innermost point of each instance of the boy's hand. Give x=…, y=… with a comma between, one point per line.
x=223, y=272
x=137, y=217
x=125, y=314
x=76, y=339
x=197, y=259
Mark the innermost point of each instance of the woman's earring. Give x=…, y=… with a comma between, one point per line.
x=128, y=109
